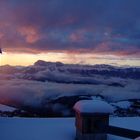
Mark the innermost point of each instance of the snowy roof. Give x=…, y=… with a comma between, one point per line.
x=93, y=106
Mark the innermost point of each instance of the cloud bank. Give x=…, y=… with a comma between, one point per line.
x=38, y=85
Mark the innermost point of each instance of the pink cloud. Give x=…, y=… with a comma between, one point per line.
x=31, y=34
x=1, y=35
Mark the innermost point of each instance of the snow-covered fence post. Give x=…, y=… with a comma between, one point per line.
x=92, y=116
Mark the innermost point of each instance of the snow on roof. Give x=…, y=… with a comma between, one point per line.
x=7, y=108
x=93, y=106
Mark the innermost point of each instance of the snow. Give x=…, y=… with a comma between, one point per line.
x=6, y=108
x=122, y=104
x=93, y=106
x=137, y=138
x=126, y=122
x=53, y=128
x=37, y=129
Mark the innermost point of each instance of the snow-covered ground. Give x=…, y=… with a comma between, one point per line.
x=53, y=128
x=6, y=108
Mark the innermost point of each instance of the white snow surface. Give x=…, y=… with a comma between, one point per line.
x=6, y=108
x=122, y=104
x=93, y=106
x=137, y=138
x=53, y=128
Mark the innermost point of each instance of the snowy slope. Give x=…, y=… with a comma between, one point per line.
x=6, y=108
x=52, y=128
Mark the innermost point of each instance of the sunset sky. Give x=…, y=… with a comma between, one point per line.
x=70, y=31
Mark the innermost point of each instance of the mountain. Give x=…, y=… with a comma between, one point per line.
x=59, y=68
x=70, y=73
x=44, y=63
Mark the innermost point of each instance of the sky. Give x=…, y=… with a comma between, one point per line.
x=71, y=31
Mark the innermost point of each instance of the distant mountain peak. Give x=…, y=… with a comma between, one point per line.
x=46, y=63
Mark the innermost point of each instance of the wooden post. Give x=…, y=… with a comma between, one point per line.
x=91, y=117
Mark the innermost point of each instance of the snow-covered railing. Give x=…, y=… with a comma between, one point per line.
x=92, y=121
x=123, y=132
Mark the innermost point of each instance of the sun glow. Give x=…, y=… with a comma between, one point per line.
x=89, y=58
x=28, y=59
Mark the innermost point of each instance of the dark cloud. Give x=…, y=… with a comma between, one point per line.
x=69, y=25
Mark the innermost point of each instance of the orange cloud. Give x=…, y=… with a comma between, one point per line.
x=1, y=35
x=31, y=34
